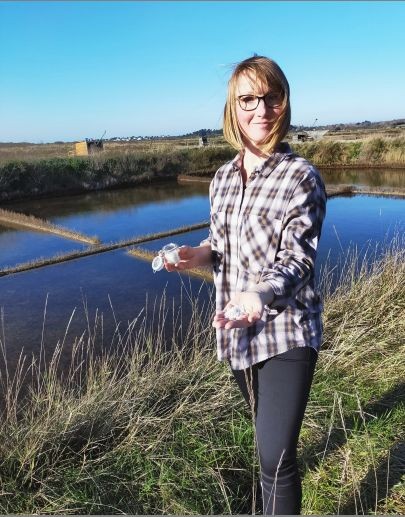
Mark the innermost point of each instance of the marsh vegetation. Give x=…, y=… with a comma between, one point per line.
x=144, y=431
x=40, y=171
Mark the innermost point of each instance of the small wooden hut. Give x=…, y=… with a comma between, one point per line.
x=202, y=141
x=89, y=146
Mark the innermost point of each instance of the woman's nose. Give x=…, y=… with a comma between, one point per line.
x=261, y=107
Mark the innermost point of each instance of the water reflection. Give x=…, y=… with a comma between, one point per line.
x=89, y=286
x=394, y=178
x=122, y=214
x=4, y=229
x=108, y=200
x=362, y=221
x=364, y=225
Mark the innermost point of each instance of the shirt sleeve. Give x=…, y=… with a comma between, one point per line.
x=208, y=239
x=295, y=260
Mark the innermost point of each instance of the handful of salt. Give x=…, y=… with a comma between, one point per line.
x=235, y=312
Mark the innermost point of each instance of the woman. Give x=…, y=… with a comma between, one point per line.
x=267, y=209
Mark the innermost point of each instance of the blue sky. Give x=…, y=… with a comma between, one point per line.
x=71, y=70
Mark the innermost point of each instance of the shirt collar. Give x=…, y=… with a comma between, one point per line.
x=282, y=150
x=236, y=163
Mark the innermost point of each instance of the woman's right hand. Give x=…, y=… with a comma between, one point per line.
x=188, y=259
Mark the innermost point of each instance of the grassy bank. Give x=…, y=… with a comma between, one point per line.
x=20, y=179
x=385, y=152
x=113, y=169
x=145, y=431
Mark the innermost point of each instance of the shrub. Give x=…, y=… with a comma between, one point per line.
x=374, y=149
x=353, y=151
x=330, y=152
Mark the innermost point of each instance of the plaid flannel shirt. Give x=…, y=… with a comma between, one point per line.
x=266, y=235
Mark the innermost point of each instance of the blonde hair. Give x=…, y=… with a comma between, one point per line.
x=264, y=72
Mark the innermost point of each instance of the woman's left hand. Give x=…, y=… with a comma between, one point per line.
x=253, y=305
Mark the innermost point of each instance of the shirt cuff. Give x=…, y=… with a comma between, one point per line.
x=266, y=290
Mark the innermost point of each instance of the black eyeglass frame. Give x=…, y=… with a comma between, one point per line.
x=258, y=99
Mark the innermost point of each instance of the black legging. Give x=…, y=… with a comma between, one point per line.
x=281, y=388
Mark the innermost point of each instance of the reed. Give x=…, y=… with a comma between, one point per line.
x=151, y=430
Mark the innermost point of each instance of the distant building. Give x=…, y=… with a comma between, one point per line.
x=202, y=141
x=89, y=146
x=301, y=136
x=309, y=136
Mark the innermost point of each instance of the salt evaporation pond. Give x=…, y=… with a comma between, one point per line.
x=113, y=285
x=125, y=213
x=18, y=246
x=361, y=221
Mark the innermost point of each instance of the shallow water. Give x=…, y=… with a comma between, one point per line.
x=92, y=284
x=18, y=246
x=113, y=286
x=122, y=214
x=361, y=221
x=112, y=216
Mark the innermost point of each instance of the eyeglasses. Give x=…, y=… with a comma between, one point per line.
x=250, y=102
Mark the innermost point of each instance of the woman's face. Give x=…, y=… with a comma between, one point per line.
x=256, y=124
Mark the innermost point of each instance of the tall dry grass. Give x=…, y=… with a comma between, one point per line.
x=367, y=152
x=156, y=425
x=353, y=444
x=31, y=152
